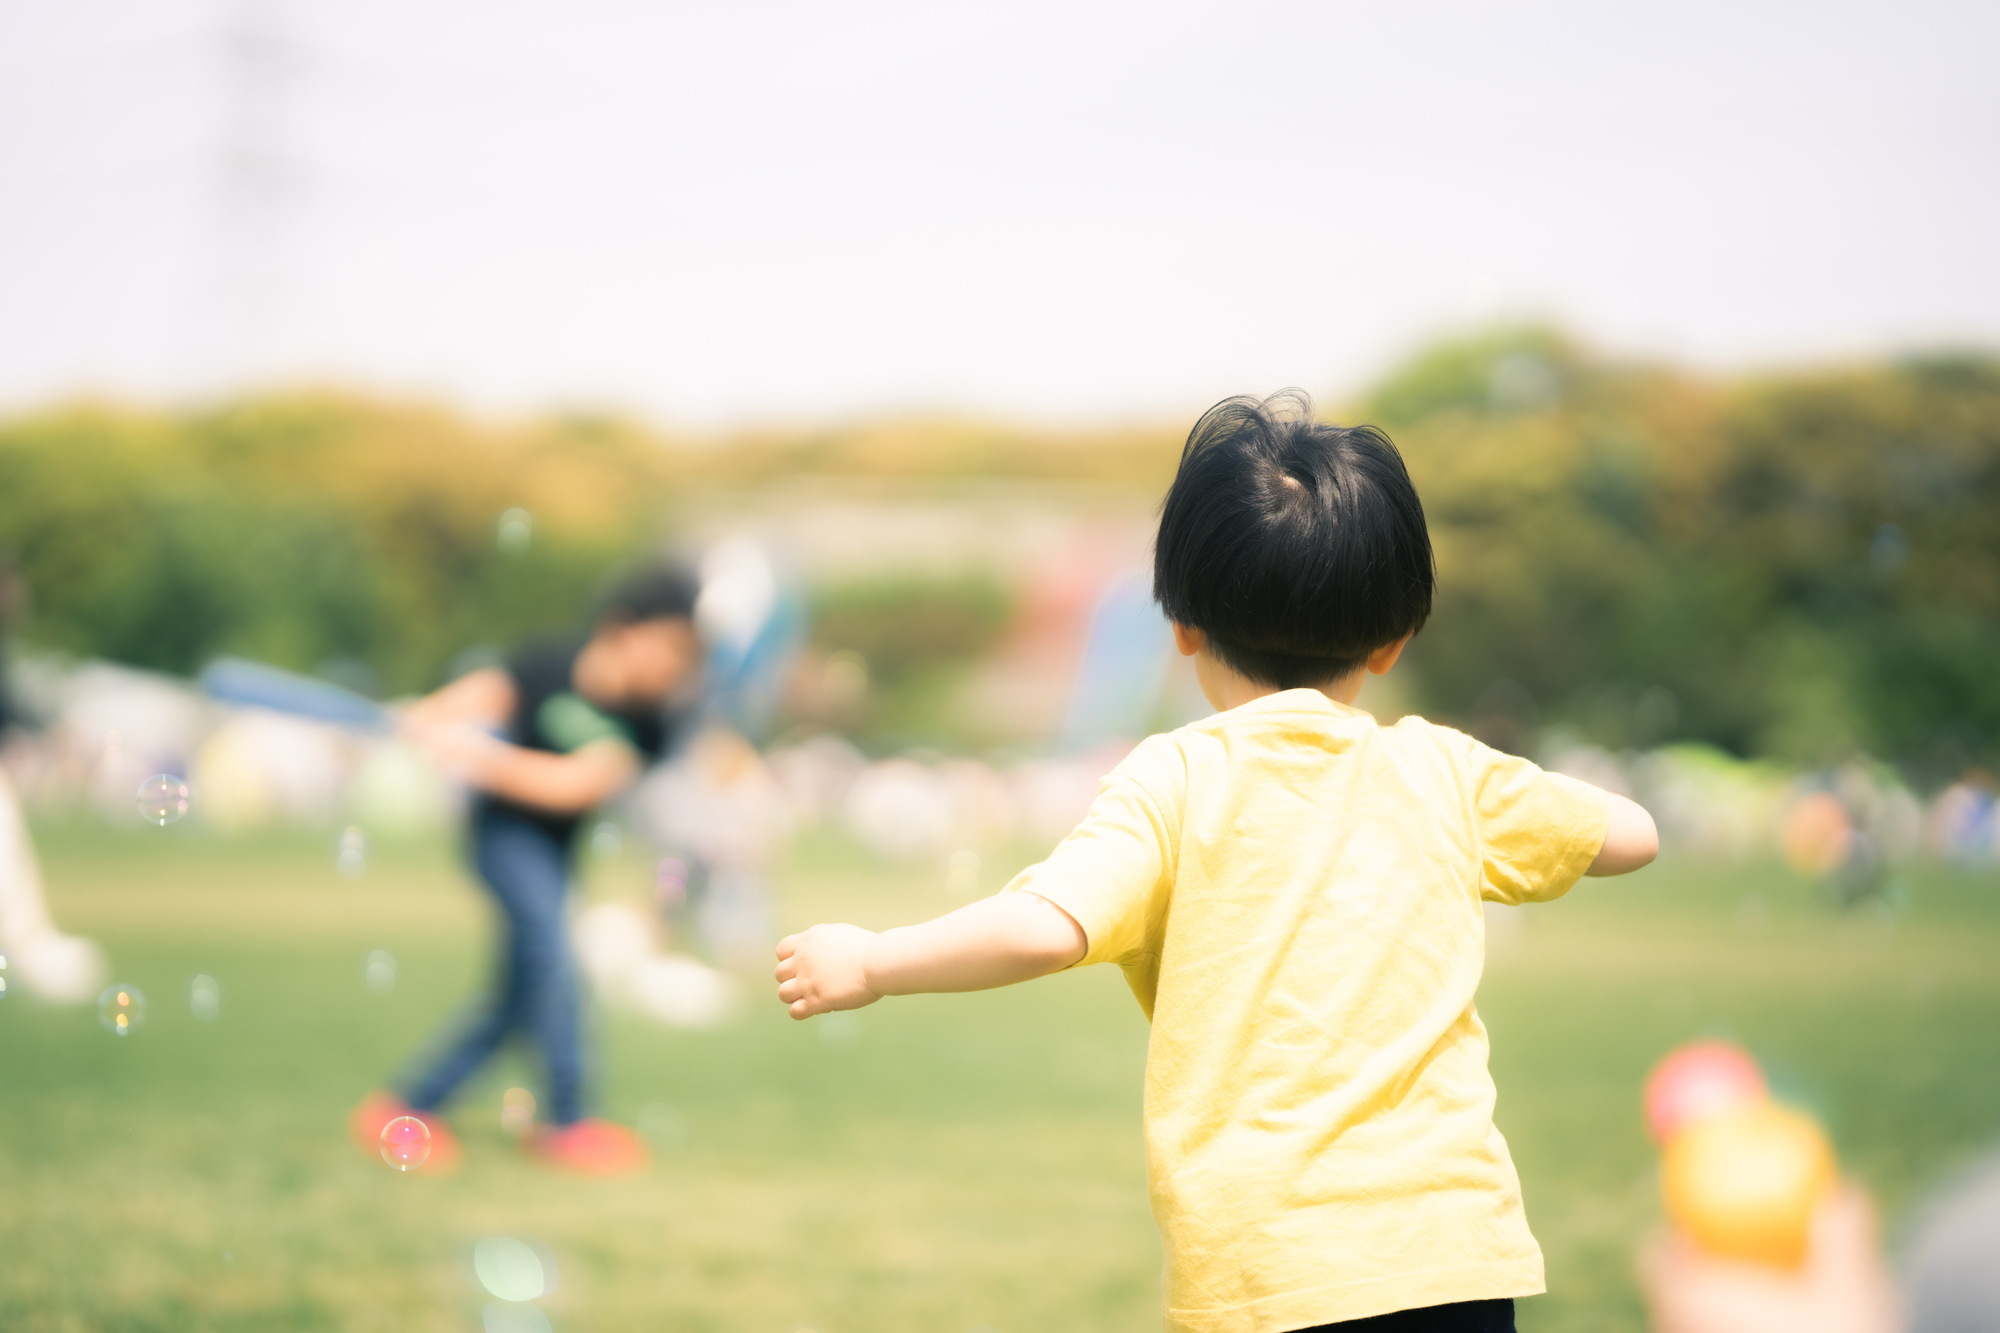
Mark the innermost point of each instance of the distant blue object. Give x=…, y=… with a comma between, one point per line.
x=1124, y=666
x=232, y=680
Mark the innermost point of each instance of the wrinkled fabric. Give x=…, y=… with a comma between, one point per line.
x=1294, y=895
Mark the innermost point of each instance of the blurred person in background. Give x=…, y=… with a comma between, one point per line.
x=34, y=955
x=561, y=727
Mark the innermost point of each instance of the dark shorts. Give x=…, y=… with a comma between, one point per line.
x=1459, y=1317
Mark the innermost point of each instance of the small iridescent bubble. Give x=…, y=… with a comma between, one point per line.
x=351, y=854
x=406, y=1143
x=514, y=531
x=517, y=1112
x=3, y=976
x=163, y=798
x=121, y=1009
x=670, y=883
x=606, y=839
x=205, y=998
x=380, y=971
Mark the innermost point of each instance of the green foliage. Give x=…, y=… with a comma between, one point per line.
x=298, y=532
x=920, y=637
x=1796, y=566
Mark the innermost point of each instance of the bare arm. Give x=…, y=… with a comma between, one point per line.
x=484, y=698
x=563, y=783
x=1630, y=841
x=996, y=941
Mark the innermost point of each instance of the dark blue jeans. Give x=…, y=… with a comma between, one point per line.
x=535, y=993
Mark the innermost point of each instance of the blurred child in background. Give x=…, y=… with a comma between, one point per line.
x=560, y=728
x=1294, y=894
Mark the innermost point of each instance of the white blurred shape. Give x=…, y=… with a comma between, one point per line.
x=259, y=767
x=205, y=998
x=509, y=1268
x=44, y=963
x=739, y=588
x=379, y=971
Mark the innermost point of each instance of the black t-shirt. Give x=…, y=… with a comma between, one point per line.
x=550, y=715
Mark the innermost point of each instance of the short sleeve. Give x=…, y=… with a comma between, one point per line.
x=570, y=722
x=1114, y=874
x=1538, y=831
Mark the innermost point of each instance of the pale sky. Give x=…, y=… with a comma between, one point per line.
x=781, y=210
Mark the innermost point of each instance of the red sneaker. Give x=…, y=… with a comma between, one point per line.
x=377, y=1109
x=592, y=1148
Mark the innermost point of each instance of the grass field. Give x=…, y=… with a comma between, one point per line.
x=955, y=1162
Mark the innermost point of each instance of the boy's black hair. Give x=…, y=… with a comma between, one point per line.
x=1297, y=547
x=651, y=591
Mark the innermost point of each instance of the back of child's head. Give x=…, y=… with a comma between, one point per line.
x=651, y=590
x=1298, y=548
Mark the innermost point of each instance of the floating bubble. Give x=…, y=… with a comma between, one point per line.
x=121, y=1008
x=839, y=1030
x=3, y=976
x=406, y=1143
x=514, y=530
x=670, y=883
x=351, y=855
x=606, y=838
x=380, y=971
x=205, y=998
x=517, y=1111
x=163, y=798
x=509, y=1268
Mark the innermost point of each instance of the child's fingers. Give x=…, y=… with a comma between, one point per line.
x=800, y=1009
x=788, y=946
x=792, y=989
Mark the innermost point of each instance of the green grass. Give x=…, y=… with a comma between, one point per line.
x=969, y=1160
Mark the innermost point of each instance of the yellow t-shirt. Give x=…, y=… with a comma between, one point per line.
x=1293, y=892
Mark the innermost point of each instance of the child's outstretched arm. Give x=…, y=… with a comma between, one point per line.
x=996, y=941
x=1630, y=840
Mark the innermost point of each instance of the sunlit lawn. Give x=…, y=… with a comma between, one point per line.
x=962, y=1161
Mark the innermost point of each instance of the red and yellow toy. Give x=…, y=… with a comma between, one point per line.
x=1741, y=1174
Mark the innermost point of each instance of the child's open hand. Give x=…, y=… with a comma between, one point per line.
x=824, y=969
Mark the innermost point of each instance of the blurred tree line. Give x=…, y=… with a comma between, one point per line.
x=1794, y=565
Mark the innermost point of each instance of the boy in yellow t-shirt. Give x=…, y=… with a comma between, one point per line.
x=1293, y=893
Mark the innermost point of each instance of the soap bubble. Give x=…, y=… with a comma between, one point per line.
x=514, y=530
x=205, y=997
x=406, y=1143
x=839, y=1030
x=517, y=1111
x=3, y=976
x=380, y=971
x=606, y=839
x=670, y=883
x=121, y=1008
x=509, y=1268
x=352, y=854
x=163, y=798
